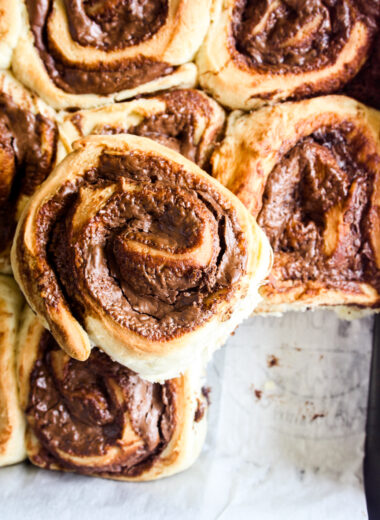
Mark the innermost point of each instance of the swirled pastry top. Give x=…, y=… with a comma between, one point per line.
x=86, y=409
x=297, y=35
x=309, y=172
x=299, y=211
x=28, y=137
x=186, y=120
x=271, y=50
x=103, y=25
x=138, y=243
x=133, y=249
x=97, y=417
x=79, y=53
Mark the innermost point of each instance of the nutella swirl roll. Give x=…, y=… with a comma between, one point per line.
x=12, y=423
x=99, y=418
x=9, y=30
x=28, y=149
x=131, y=247
x=310, y=173
x=185, y=120
x=83, y=53
x=270, y=50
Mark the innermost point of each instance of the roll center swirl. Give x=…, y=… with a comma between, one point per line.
x=292, y=34
x=152, y=248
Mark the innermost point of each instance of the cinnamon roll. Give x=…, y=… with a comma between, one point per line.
x=130, y=246
x=270, y=50
x=185, y=120
x=99, y=418
x=79, y=53
x=309, y=171
x=28, y=149
x=12, y=427
x=9, y=30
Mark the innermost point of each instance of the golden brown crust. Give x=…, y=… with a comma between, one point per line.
x=260, y=160
x=169, y=50
x=12, y=448
x=157, y=340
x=242, y=81
x=180, y=451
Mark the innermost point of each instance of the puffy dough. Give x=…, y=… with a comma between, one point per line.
x=130, y=246
x=12, y=427
x=9, y=30
x=98, y=418
x=185, y=120
x=78, y=55
x=309, y=172
x=257, y=53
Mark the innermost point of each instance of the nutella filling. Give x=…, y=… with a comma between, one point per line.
x=106, y=25
x=133, y=255
x=83, y=409
x=316, y=211
x=114, y=24
x=27, y=154
x=176, y=126
x=295, y=35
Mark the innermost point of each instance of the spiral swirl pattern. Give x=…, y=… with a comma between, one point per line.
x=271, y=50
x=79, y=53
x=299, y=35
x=138, y=245
x=309, y=173
x=98, y=416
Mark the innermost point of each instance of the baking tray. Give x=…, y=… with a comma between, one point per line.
x=372, y=447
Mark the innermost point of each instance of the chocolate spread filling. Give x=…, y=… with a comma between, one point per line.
x=168, y=211
x=175, y=127
x=106, y=25
x=114, y=24
x=78, y=409
x=317, y=181
x=27, y=154
x=296, y=35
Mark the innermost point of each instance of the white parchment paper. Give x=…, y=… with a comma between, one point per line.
x=286, y=437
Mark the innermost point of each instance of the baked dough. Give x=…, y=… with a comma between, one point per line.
x=12, y=427
x=309, y=172
x=130, y=246
x=185, y=120
x=59, y=57
x=99, y=418
x=9, y=30
x=262, y=52
x=28, y=153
